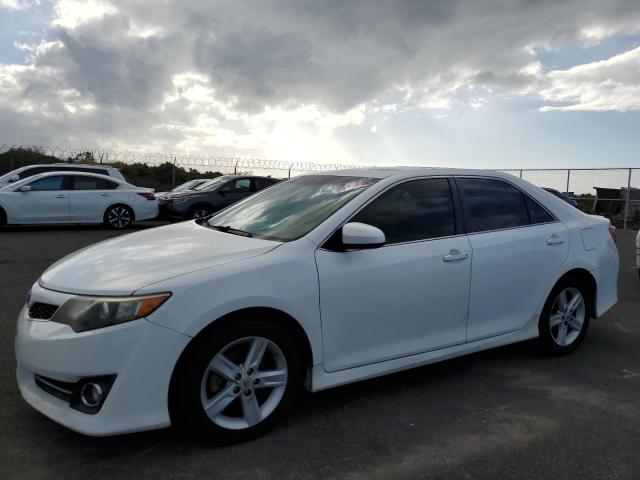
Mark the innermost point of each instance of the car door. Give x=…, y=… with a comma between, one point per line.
x=47, y=201
x=407, y=297
x=517, y=249
x=89, y=197
x=234, y=191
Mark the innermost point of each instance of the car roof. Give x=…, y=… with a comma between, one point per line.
x=409, y=172
x=74, y=173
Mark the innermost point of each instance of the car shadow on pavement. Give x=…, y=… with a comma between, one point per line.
x=311, y=408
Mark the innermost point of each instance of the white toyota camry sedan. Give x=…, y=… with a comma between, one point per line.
x=74, y=197
x=315, y=282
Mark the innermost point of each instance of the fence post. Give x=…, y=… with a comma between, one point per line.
x=290, y=167
x=173, y=173
x=520, y=173
x=626, y=202
x=568, y=177
x=235, y=168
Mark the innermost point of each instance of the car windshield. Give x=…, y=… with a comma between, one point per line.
x=291, y=209
x=210, y=184
x=185, y=186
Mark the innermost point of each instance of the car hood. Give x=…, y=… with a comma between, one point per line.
x=125, y=264
x=190, y=193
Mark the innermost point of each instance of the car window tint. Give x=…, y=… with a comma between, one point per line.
x=492, y=204
x=264, y=183
x=99, y=171
x=415, y=210
x=48, y=183
x=239, y=185
x=537, y=214
x=243, y=184
x=92, y=183
x=30, y=172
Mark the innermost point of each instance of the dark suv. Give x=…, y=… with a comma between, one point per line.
x=211, y=196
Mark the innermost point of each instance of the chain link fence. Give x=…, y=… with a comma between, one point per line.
x=612, y=192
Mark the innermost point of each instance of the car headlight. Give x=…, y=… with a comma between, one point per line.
x=89, y=313
x=177, y=200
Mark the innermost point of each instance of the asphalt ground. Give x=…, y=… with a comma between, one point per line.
x=504, y=413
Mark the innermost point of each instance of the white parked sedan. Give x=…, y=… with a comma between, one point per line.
x=75, y=197
x=318, y=281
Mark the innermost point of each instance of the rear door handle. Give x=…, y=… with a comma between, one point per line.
x=105, y=195
x=455, y=256
x=61, y=196
x=554, y=240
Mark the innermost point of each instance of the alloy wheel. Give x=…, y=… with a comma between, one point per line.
x=568, y=315
x=119, y=217
x=200, y=213
x=244, y=383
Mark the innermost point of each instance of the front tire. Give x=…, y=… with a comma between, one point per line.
x=201, y=212
x=3, y=218
x=118, y=217
x=565, y=317
x=236, y=382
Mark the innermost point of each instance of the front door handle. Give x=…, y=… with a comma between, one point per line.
x=555, y=240
x=61, y=196
x=455, y=255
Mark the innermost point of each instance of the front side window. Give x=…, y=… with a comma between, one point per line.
x=92, y=183
x=411, y=211
x=238, y=186
x=291, y=209
x=492, y=204
x=47, y=184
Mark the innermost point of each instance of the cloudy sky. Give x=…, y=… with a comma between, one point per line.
x=482, y=83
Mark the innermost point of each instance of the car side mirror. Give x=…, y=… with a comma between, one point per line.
x=25, y=188
x=14, y=178
x=224, y=191
x=361, y=236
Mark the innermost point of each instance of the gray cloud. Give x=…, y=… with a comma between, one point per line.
x=337, y=55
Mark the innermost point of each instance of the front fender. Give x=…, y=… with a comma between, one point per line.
x=283, y=279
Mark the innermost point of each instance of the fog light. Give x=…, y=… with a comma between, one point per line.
x=91, y=394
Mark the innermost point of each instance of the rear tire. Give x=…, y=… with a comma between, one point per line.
x=218, y=373
x=565, y=318
x=118, y=217
x=3, y=218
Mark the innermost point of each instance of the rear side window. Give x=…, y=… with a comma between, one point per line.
x=99, y=171
x=263, y=183
x=30, y=172
x=411, y=211
x=537, y=214
x=92, y=183
x=492, y=204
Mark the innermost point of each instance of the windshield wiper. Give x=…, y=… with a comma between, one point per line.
x=229, y=229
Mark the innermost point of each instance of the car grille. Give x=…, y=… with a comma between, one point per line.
x=163, y=201
x=42, y=311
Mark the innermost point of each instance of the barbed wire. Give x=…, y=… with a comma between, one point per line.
x=178, y=159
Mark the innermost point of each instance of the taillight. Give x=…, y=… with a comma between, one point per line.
x=614, y=233
x=147, y=195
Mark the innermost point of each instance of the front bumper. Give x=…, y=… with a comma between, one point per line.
x=172, y=211
x=140, y=354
